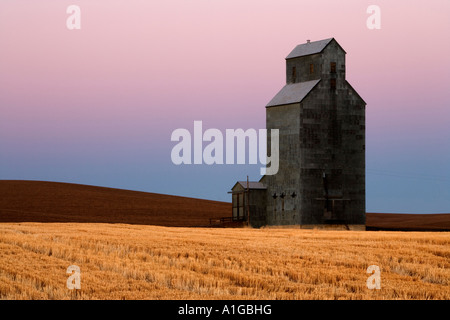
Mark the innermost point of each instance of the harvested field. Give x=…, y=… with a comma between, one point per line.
x=151, y=262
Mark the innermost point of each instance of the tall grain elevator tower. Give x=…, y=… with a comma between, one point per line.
x=321, y=123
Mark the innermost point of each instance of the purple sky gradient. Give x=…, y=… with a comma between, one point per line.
x=98, y=105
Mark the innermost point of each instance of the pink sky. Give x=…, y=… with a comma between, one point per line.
x=137, y=70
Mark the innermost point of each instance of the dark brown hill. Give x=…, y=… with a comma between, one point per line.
x=408, y=222
x=39, y=201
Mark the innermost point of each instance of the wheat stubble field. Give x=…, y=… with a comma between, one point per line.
x=136, y=245
x=120, y=261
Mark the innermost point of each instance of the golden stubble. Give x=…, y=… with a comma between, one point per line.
x=120, y=261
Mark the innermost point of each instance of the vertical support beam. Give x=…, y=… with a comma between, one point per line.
x=248, y=207
x=237, y=203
